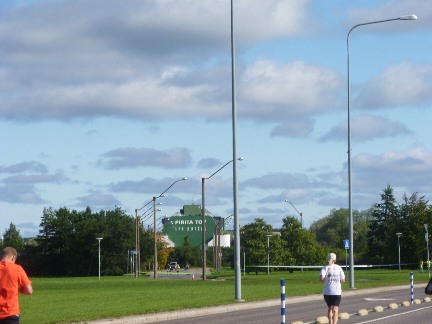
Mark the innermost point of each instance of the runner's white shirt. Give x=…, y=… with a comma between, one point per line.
x=332, y=283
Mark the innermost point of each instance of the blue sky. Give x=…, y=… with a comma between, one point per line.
x=106, y=103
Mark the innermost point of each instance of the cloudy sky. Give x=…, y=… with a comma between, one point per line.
x=105, y=103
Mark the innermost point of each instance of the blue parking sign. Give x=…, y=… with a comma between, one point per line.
x=346, y=244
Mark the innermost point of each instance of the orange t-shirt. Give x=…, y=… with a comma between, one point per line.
x=12, y=277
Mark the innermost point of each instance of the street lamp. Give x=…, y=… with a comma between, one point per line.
x=301, y=215
x=154, y=225
x=217, y=250
x=398, y=236
x=237, y=266
x=137, y=239
x=350, y=216
x=204, y=255
x=427, y=245
x=268, y=253
x=99, y=240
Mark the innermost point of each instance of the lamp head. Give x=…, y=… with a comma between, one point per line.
x=409, y=17
x=184, y=178
x=240, y=158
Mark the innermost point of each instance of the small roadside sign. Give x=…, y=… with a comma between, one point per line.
x=346, y=244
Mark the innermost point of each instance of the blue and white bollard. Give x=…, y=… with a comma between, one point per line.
x=412, y=287
x=282, y=282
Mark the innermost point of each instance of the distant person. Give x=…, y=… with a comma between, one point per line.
x=428, y=263
x=421, y=265
x=13, y=279
x=332, y=275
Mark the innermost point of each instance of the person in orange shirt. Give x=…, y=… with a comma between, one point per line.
x=12, y=279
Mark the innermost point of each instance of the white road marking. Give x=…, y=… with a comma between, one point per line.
x=374, y=299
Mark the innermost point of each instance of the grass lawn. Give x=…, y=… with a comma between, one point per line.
x=62, y=300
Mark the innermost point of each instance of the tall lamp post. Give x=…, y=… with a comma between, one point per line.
x=350, y=216
x=99, y=240
x=154, y=225
x=268, y=253
x=204, y=253
x=300, y=214
x=427, y=245
x=137, y=237
x=217, y=251
x=398, y=236
x=237, y=260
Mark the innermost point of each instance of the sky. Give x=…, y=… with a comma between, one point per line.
x=106, y=103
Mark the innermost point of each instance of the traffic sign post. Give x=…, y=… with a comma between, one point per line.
x=346, y=246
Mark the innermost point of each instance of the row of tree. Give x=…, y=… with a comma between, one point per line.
x=67, y=245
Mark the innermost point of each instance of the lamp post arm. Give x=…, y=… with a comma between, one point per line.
x=218, y=170
x=145, y=205
x=239, y=159
x=294, y=208
x=161, y=195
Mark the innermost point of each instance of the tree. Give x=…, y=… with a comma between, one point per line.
x=414, y=213
x=300, y=245
x=186, y=254
x=333, y=229
x=384, y=225
x=362, y=220
x=12, y=237
x=254, y=241
x=146, y=247
x=67, y=244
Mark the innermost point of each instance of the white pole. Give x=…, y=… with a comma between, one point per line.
x=99, y=240
x=268, y=253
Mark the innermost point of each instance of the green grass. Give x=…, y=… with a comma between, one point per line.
x=62, y=300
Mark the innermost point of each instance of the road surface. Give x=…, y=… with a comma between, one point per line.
x=308, y=309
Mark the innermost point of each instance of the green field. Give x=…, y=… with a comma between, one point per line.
x=62, y=300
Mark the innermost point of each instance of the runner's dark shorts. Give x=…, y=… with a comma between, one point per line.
x=14, y=319
x=332, y=300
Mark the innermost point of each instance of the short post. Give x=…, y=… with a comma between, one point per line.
x=282, y=282
x=412, y=287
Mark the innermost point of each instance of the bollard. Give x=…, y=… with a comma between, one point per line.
x=412, y=287
x=193, y=277
x=282, y=283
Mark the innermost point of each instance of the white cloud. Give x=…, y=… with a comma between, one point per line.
x=405, y=84
x=145, y=59
x=366, y=128
x=97, y=201
x=25, y=166
x=411, y=169
x=293, y=128
x=273, y=91
x=129, y=157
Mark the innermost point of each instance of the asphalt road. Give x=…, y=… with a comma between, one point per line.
x=307, y=309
